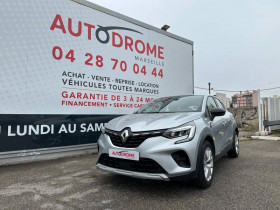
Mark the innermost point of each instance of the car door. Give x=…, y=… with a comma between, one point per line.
x=227, y=123
x=217, y=125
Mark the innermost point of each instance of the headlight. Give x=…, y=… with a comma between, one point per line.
x=186, y=130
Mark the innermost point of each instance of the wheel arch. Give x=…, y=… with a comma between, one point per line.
x=206, y=135
x=211, y=141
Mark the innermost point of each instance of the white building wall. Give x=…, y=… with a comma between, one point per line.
x=274, y=111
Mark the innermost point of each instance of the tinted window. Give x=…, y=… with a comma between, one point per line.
x=173, y=104
x=210, y=104
x=219, y=103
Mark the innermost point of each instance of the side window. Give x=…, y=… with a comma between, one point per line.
x=210, y=105
x=219, y=103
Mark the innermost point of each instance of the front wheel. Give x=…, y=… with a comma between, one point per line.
x=234, y=152
x=205, y=166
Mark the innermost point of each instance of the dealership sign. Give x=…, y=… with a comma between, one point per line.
x=66, y=69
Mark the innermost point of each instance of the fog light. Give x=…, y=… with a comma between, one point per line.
x=181, y=158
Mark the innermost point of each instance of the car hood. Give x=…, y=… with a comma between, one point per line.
x=156, y=121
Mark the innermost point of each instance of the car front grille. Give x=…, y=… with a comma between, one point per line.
x=133, y=141
x=144, y=165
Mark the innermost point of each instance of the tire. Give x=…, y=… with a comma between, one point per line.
x=234, y=152
x=205, y=166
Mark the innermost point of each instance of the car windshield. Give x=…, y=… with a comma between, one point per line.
x=173, y=104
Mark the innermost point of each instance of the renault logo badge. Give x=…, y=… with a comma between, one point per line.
x=124, y=135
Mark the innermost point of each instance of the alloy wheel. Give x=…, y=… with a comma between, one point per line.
x=236, y=144
x=208, y=164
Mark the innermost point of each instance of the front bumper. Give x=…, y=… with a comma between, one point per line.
x=140, y=175
x=158, y=149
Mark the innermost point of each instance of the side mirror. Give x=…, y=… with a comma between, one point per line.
x=217, y=112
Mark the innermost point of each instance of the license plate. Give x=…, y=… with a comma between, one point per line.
x=123, y=154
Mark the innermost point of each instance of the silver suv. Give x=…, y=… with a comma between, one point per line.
x=170, y=138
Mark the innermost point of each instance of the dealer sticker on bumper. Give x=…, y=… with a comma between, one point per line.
x=129, y=155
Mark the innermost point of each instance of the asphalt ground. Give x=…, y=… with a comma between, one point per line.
x=250, y=182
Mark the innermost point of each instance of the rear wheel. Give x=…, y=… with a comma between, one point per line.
x=234, y=152
x=205, y=166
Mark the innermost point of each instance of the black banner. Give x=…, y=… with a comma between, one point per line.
x=25, y=132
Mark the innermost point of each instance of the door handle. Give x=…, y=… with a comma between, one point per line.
x=224, y=123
